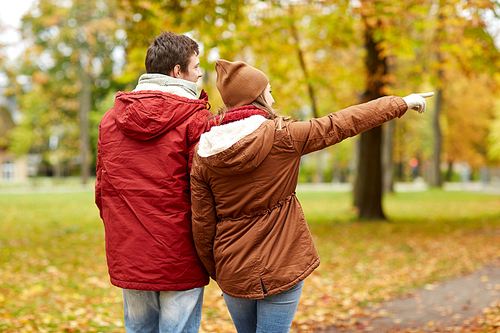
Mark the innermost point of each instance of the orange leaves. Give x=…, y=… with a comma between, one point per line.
x=215, y=316
x=53, y=274
x=465, y=136
x=489, y=322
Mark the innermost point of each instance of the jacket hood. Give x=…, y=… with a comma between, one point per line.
x=237, y=147
x=144, y=115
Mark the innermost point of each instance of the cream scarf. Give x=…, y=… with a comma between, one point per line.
x=167, y=84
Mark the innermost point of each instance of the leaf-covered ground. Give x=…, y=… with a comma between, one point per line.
x=53, y=274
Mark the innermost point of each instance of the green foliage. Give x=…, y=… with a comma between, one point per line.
x=69, y=44
x=102, y=106
x=22, y=140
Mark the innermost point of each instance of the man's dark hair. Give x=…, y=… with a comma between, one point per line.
x=168, y=50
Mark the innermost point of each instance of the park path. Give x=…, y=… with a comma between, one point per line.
x=447, y=304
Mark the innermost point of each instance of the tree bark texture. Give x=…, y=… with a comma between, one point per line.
x=436, y=179
x=368, y=185
x=387, y=158
x=369, y=175
x=438, y=141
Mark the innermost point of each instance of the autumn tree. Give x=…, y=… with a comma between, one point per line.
x=311, y=50
x=468, y=119
x=382, y=23
x=459, y=43
x=71, y=63
x=494, y=135
x=7, y=87
x=212, y=23
x=455, y=24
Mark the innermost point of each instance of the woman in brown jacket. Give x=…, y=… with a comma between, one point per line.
x=248, y=226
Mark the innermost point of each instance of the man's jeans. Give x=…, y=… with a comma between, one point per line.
x=162, y=311
x=269, y=314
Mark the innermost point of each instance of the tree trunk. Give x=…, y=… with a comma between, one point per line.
x=438, y=141
x=449, y=171
x=436, y=179
x=85, y=102
x=368, y=189
x=387, y=158
x=368, y=184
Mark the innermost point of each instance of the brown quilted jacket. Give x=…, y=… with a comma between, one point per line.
x=248, y=226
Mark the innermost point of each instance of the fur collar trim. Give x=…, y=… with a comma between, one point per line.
x=220, y=138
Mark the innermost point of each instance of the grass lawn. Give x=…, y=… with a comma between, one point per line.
x=53, y=274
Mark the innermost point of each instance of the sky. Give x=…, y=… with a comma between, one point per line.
x=11, y=12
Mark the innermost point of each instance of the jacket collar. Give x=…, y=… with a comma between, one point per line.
x=237, y=147
x=221, y=137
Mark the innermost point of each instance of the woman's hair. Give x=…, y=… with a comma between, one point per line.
x=169, y=50
x=261, y=103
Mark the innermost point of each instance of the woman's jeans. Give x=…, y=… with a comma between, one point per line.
x=269, y=314
x=162, y=311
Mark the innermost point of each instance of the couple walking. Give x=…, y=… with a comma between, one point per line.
x=185, y=195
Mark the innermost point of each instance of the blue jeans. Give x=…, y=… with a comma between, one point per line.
x=148, y=311
x=269, y=314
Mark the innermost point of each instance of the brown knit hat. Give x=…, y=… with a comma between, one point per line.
x=239, y=83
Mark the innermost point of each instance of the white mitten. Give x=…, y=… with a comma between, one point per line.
x=417, y=101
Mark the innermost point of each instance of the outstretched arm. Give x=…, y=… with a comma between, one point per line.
x=319, y=133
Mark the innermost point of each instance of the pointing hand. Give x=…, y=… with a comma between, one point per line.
x=417, y=101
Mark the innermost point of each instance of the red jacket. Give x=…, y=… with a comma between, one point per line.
x=144, y=155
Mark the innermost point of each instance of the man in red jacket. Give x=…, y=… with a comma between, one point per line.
x=144, y=155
